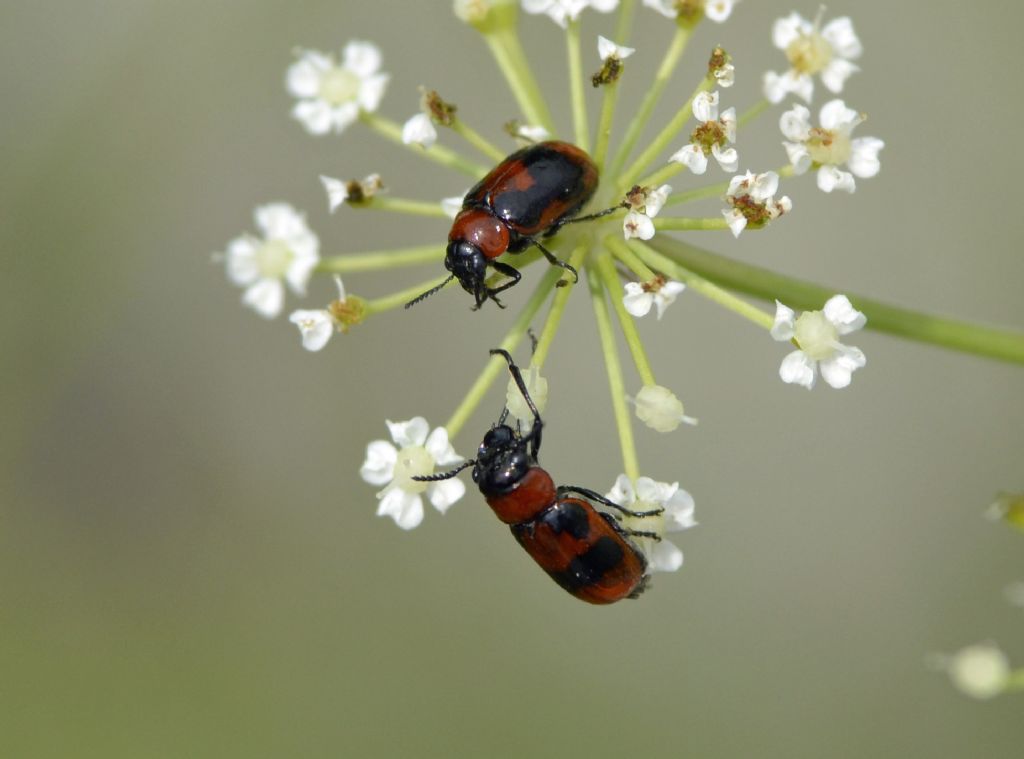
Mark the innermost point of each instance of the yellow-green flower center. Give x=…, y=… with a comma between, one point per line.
x=829, y=148
x=273, y=259
x=413, y=461
x=809, y=53
x=816, y=335
x=339, y=86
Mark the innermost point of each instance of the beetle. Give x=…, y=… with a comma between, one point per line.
x=586, y=551
x=533, y=192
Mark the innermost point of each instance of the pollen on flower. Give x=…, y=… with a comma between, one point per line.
x=830, y=145
x=352, y=191
x=811, y=50
x=611, y=56
x=640, y=297
x=721, y=68
x=710, y=137
x=752, y=200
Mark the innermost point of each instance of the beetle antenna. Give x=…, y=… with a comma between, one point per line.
x=444, y=475
x=428, y=293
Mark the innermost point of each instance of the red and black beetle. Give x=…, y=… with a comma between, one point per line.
x=584, y=550
x=535, y=191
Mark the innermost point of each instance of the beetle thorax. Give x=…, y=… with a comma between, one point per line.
x=481, y=229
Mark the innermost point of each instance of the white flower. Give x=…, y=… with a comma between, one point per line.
x=980, y=671
x=711, y=135
x=563, y=11
x=472, y=11
x=811, y=49
x=817, y=335
x=530, y=133
x=607, y=49
x=752, y=197
x=537, y=387
x=659, y=408
x=716, y=10
x=354, y=191
x=287, y=251
x=725, y=75
x=644, y=206
x=640, y=296
x=678, y=505
x=452, y=205
x=331, y=96
x=317, y=326
x=416, y=455
x=830, y=146
x=419, y=130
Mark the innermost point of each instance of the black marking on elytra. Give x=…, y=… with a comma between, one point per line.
x=588, y=569
x=567, y=517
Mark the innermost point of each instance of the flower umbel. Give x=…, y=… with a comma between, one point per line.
x=591, y=209
x=415, y=453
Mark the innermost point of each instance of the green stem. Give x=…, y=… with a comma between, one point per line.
x=558, y=303
x=611, y=91
x=477, y=140
x=662, y=175
x=699, y=193
x=403, y=205
x=616, y=386
x=381, y=259
x=709, y=290
x=508, y=54
x=665, y=136
x=437, y=153
x=626, y=322
x=981, y=340
x=664, y=73
x=752, y=113
x=496, y=364
x=632, y=261
x=580, y=124
x=1015, y=681
x=604, y=125
x=624, y=26
x=687, y=223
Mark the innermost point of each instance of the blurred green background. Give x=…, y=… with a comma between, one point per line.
x=191, y=564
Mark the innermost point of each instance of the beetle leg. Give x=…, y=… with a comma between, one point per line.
x=587, y=493
x=556, y=261
x=589, y=217
x=614, y=522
